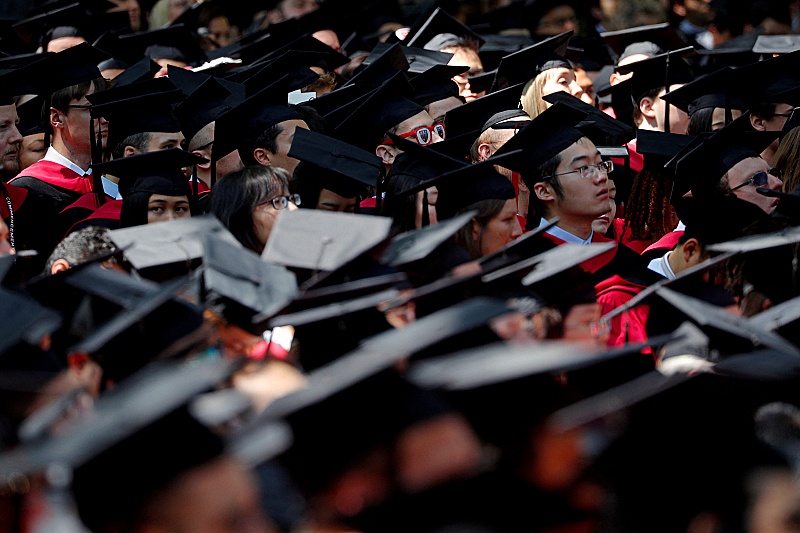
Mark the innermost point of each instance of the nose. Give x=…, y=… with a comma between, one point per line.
x=773, y=182
x=16, y=136
x=517, y=229
x=436, y=138
x=575, y=89
x=291, y=207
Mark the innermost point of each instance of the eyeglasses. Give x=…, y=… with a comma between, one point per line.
x=787, y=115
x=587, y=171
x=282, y=202
x=424, y=134
x=759, y=180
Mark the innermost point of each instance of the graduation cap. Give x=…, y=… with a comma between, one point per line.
x=382, y=68
x=707, y=92
x=246, y=286
x=612, y=131
x=776, y=44
x=70, y=19
x=109, y=43
x=167, y=242
x=67, y=68
x=242, y=125
x=419, y=59
x=523, y=66
x=717, y=220
x=436, y=84
x=26, y=321
x=417, y=244
x=30, y=117
x=707, y=163
x=663, y=70
x=439, y=23
x=545, y=137
x=174, y=42
x=662, y=35
x=202, y=107
x=335, y=165
x=320, y=240
x=380, y=111
x=658, y=148
x=709, y=61
x=759, y=242
x=297, y=76
x=156, y=172
x=142, y=70
x=472, y=116
x=771, y=80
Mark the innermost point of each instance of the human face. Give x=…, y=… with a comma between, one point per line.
x=500, y=230
x=264, y=218
x=328, y=37
x=718, y=117
x=469, y=59
x=193, y=502
x=746, y=169
x=284, y=144
x=76, y=130
x=678, y=119
x=162, y=208
x=31, y=150
x=562, y=79
x=558, y=20
x=586, y=84
x=297, y=8
x=165, y=141
x=778, y=120
x=330, y=201
x=438, y=109
x=420, y=119
x=62, y=43
x=603, y=222
x=584, y=199
x=133, y=9
x=10, y=141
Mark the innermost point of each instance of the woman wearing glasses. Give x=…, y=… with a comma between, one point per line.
x=247, y=202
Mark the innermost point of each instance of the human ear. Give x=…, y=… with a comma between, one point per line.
x=476, y=230
x=485, y=151
x=758, y=122
x=261, y=155
x=690, y=247
x=386, y=154
x=59, y=265
x=544, y=192
x=646, y=108
x=56, y=118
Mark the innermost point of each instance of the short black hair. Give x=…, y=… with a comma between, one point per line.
x=62, y=97
x=536, y=207
x=138, y=141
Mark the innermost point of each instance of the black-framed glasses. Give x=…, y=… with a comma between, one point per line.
x=786, y=115
x=282, y=202
x=759, y=179
x=587, y=171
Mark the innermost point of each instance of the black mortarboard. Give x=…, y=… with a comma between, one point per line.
x=523, y=66
x=503, y=120
x=778, y=316
x=382, y=68
x=381, y=110
x=776, y=44
x=759, y=242
x=202, y=107
x=711, y=221
x=707, y=92
x=25, y=320
x=472, y=116
x=438, y=23
x=30, y=117
x=418, y=244
x=140, y=71
x=320, y=240
x=436, y=84
x=337, y=158
x=419, y=60
x=109, y=43
x=706, y=164
x=720, y=57
x=241, y=126
x=612, y=130
x=297, y=76
x=772, y=80
x=78, y=19
x=658, y=147
x=156, y=172
x=662, y=35
x=67, y=68
x=658, y=71
x=333, y=101
x=545, y=137
x=246, y=286
x=177, y=241
x=174, y=42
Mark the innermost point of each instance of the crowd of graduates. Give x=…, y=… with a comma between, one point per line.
x=327, y=266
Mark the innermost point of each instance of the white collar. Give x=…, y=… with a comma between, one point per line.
x=564, y=235
x=661, y=266
x=54, y=156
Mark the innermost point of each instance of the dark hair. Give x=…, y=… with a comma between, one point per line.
x=536, y=207
x=701, y=121
x=62, y=97
x=237, y=194
x=637, y=112
x=648, y=205
x=763, y=109
x=402, y=209
x=308, y=181
x=312, y=118
x=268, y=140
x=82, y=246
x=138, y=141
x=134, y=210
x=486, y=211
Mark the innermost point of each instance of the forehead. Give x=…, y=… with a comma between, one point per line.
x=747, y=167
x=420, y=119
x=580, y=150
x=8, y=112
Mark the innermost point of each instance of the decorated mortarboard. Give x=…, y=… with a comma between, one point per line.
x=419, y=59
x=659, y=71
x=702, y=168
x=156, y=172
x=335, y=159
x=30, y=117
x=707, y=92
x=523, y=66
x=436, y=84
x=382, y=110
x=472, y=116
x=440, y=22
x=175, y=42
x=242, y=125
x=143, y=70
x=202, y=107
x=612, y=131
x=167, y=242
x=776, y=44
x=320, y=240
x=545, y=137
x=67, y=68
x=662, y=35
x=382, y=68
x=246, y=286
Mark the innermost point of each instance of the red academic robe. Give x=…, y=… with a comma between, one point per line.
x=60, y=184
x=664, y=244
x=34, y=223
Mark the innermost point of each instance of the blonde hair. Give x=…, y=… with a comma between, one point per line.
x=532, y=93
x=787, y=158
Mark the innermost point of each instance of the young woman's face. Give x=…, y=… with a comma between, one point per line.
x=161, y=208
x=500, y=230
x=264, y=217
